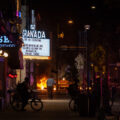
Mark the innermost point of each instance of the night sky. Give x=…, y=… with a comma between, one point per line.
x=64, y=9
x=60, y=11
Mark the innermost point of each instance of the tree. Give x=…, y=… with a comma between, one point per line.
x=98, y=57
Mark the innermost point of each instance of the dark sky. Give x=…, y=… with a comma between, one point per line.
x=75, y=9
x=61, y=7
x=60, y=11
x=64, y=8
x=78, y=10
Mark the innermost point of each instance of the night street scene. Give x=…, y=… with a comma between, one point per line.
x=59, y=60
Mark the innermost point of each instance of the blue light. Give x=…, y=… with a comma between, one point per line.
x=19, y=14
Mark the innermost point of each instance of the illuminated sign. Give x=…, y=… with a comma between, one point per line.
x=5, y=42
x=36, y=45
x=33, y=34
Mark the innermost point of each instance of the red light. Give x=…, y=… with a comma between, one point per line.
x=15, y=76
x=11, y=76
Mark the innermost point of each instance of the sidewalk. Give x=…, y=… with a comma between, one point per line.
x=56, y=109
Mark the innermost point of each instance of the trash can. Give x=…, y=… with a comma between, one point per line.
x=86, y=105
x=83, y=105
x=92, y=106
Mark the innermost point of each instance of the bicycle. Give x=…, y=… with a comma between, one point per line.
x=16, y=101
x=73, y=104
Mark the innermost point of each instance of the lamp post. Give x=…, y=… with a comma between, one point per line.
x=87, y=27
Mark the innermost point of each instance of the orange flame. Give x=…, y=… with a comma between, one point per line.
x=42, y=83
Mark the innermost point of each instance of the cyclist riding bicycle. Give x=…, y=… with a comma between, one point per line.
x=23, y=91
x=74, y=92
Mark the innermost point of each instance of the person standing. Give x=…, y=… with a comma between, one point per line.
x=50, y=83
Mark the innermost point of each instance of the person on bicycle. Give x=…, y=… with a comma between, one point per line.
x=22, y=89
x=73, y=88
x=74, y=91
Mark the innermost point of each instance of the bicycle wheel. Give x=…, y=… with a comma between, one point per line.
x=37, y=104
x=72, y=105
x=16, y=105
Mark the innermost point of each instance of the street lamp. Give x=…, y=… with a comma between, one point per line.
x=93, y=7
x=87, y=27
x=70, y=21
x=3, y=54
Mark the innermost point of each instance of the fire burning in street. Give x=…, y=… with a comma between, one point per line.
x=41, y=84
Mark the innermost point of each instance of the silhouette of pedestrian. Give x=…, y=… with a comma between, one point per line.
x=50, y=83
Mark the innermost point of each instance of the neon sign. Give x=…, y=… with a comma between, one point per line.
x=5, y=42
x=18, y=14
